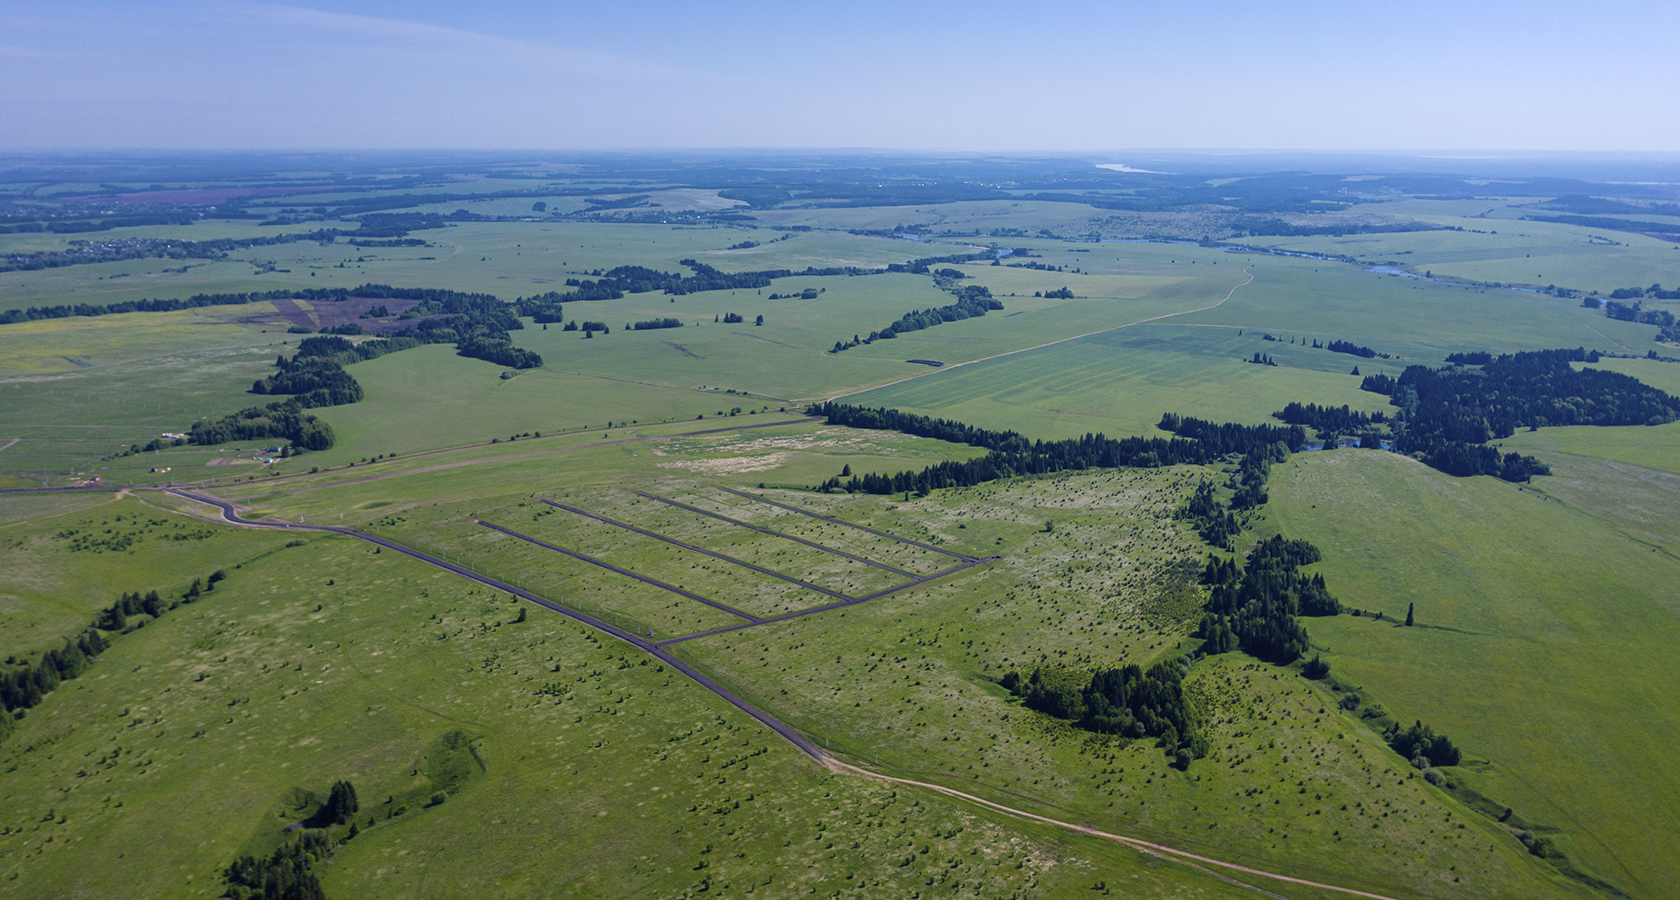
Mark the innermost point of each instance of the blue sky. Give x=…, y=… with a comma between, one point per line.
x=924, y=76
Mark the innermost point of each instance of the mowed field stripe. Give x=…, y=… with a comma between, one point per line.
x=953, y=366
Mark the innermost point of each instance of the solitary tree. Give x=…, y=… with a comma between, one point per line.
x=1408, y=614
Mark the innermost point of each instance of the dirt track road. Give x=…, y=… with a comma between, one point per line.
x=803, y=743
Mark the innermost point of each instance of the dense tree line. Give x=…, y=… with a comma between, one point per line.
x=396, y=225
x=1636, y=312
x=1338, y=420
x=146, y=305
x=657, y=323
x=1126, y=701
x=1473, y=358
x=23, y=684
x=436, y=301
x=1352, y=349
x=1214, y=523
x=1422, y=745
x=1634, y=293
x=1012, y=454
x=924, y=266
x=315, y=375
x=286, y=874
x=972, y=301
x=284, y=419
x=1446, y=415
x=1378, y=384
x=496, y=347
x=613, y=284
x=476, y=323
x=1220, y=439
x=1668, y=326
x=345, y=352
x=314, y=380
x=86, y=252
x=1253, y=607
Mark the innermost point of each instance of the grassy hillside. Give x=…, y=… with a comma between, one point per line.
x=571, y=755
x=1543, y=632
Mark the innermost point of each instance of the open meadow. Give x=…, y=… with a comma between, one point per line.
x=1526, y=605
x=581, y=609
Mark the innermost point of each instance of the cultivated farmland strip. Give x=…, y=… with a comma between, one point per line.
x=610, y=567
x=686, y=546
x=773, y=533
x=850, y=602
x=806, y=512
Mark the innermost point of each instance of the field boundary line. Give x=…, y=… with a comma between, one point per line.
x=751, y=619
x=800, y=741
x=697, y=549
x=843, y=768
x=950, y=366
x=771, y=532
x=804, y=744
x=917, y=582
x=806, y=512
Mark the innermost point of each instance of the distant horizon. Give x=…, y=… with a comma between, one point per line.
x=1131, y=166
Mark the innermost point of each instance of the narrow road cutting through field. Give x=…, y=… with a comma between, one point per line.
x=804, y=744
x=793, y=737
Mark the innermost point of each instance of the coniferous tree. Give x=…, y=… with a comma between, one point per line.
x=1408, y=614
x=341, y=802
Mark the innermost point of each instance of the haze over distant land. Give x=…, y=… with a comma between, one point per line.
x=93, y=74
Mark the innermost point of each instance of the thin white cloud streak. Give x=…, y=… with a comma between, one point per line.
x=1061, y=76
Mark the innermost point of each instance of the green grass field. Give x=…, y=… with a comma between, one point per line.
x=575, y=766
x=278, y=683
x=1121, y=382
x=1509, y=251
x=1067, y=597
x=1546, y=630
